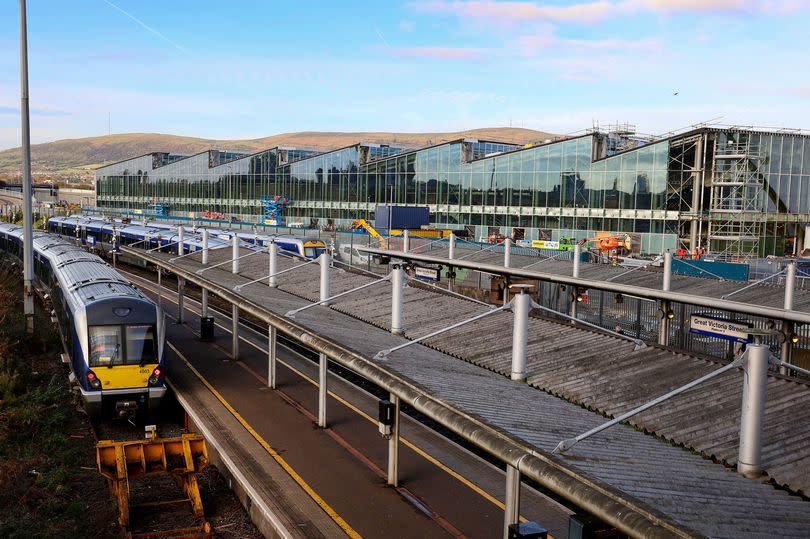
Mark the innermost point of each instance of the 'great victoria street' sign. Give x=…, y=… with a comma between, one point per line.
x=720, y=328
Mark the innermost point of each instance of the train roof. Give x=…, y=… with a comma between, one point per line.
x=84, y=277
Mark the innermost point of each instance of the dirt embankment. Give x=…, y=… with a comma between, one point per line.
x=49, y=486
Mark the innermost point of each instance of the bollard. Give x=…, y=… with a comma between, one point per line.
x=749, y=461
x=452, y=246
x=393, y=445
x=511, y=512
x=397, y=299
x=180, y=238
x=273, y=249
x=235, y=252
x=271, y=357
x=322, y=389
x=521, y=305
x=406, y=241
x=507, y=252
x=235, y=332
x=325, y=262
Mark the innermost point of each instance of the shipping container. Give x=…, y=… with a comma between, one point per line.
x=401, y=217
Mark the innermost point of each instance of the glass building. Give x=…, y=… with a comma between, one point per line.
x=732, y=191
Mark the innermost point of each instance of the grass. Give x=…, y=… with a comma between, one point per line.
x=49, y=486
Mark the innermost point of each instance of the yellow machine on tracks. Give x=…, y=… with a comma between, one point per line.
x=182, y=458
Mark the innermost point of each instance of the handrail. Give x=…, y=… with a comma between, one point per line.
x=709, y=302
x=701, y=269
x=638, y=342
x=755, y=283
x=568, y=443
x=382, y=354
x=450, y=292
x=293, y=312
x=230, y=260
x=239, y=287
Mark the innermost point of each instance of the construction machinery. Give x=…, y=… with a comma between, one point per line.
x=362, y=224
x=274, y=207
x=123, y=462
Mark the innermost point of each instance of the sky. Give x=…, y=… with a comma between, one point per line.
x=247, y=69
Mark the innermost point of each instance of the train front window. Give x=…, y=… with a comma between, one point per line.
x=313, y=252
x=105, y=346
x=141, y=347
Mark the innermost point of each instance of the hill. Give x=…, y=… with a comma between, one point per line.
x=64, y=158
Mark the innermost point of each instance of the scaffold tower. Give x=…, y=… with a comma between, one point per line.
x=735, y=214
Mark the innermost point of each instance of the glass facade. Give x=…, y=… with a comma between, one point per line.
x=581, y=183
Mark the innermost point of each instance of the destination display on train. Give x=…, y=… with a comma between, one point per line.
x=720, y=328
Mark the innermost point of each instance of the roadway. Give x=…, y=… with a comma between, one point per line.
x=445, y=490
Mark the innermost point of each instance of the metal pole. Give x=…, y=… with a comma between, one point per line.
x=160, y=288
x=511, y=512
x=393, y=445
x=787, y=327
x=181, y=288
x=667, y=285
x=451, y=246
x=664, y=323
x=406, y=241
x=507, y=253
x=235, y=252
x=322, y=389
x=749, y=462
x=180, y=239
x=273, y=250
x=575, y=273
x=325, y=261
x=521, y=304
x=271, y=357
x=28, y=222
x=204, y=302
x=235, y=332
x=204, y=246
x=397, y=299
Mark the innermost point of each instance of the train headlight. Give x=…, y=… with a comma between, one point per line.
x=156, y=376
x=93, y=380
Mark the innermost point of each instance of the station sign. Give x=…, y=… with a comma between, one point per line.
x=721, y=328
x=426, y=274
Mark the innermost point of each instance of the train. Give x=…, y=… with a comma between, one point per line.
x=112, y=334
x=105, y=232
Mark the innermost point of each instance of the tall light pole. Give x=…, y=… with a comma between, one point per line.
x=28, y=221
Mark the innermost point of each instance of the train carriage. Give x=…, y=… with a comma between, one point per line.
x=113, y=335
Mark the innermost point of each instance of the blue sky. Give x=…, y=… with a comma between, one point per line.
x=245, y=69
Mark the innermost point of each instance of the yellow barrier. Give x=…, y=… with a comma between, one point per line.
x=181, y=457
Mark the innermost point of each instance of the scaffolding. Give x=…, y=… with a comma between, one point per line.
x=735, y=211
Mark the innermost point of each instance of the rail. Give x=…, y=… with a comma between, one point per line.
x=603, y=501
x=616, y=288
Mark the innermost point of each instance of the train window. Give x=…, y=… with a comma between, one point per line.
x=313, y=252
x=105, y=346
x=141, y=344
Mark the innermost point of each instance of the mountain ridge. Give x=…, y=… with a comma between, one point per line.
x=79, y=156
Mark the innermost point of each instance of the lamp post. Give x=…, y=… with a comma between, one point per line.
x=28, y=224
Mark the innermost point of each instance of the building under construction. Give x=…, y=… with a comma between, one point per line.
x=737, y=192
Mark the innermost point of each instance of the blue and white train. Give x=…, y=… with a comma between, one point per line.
x=97, y=231
x=112, y=334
